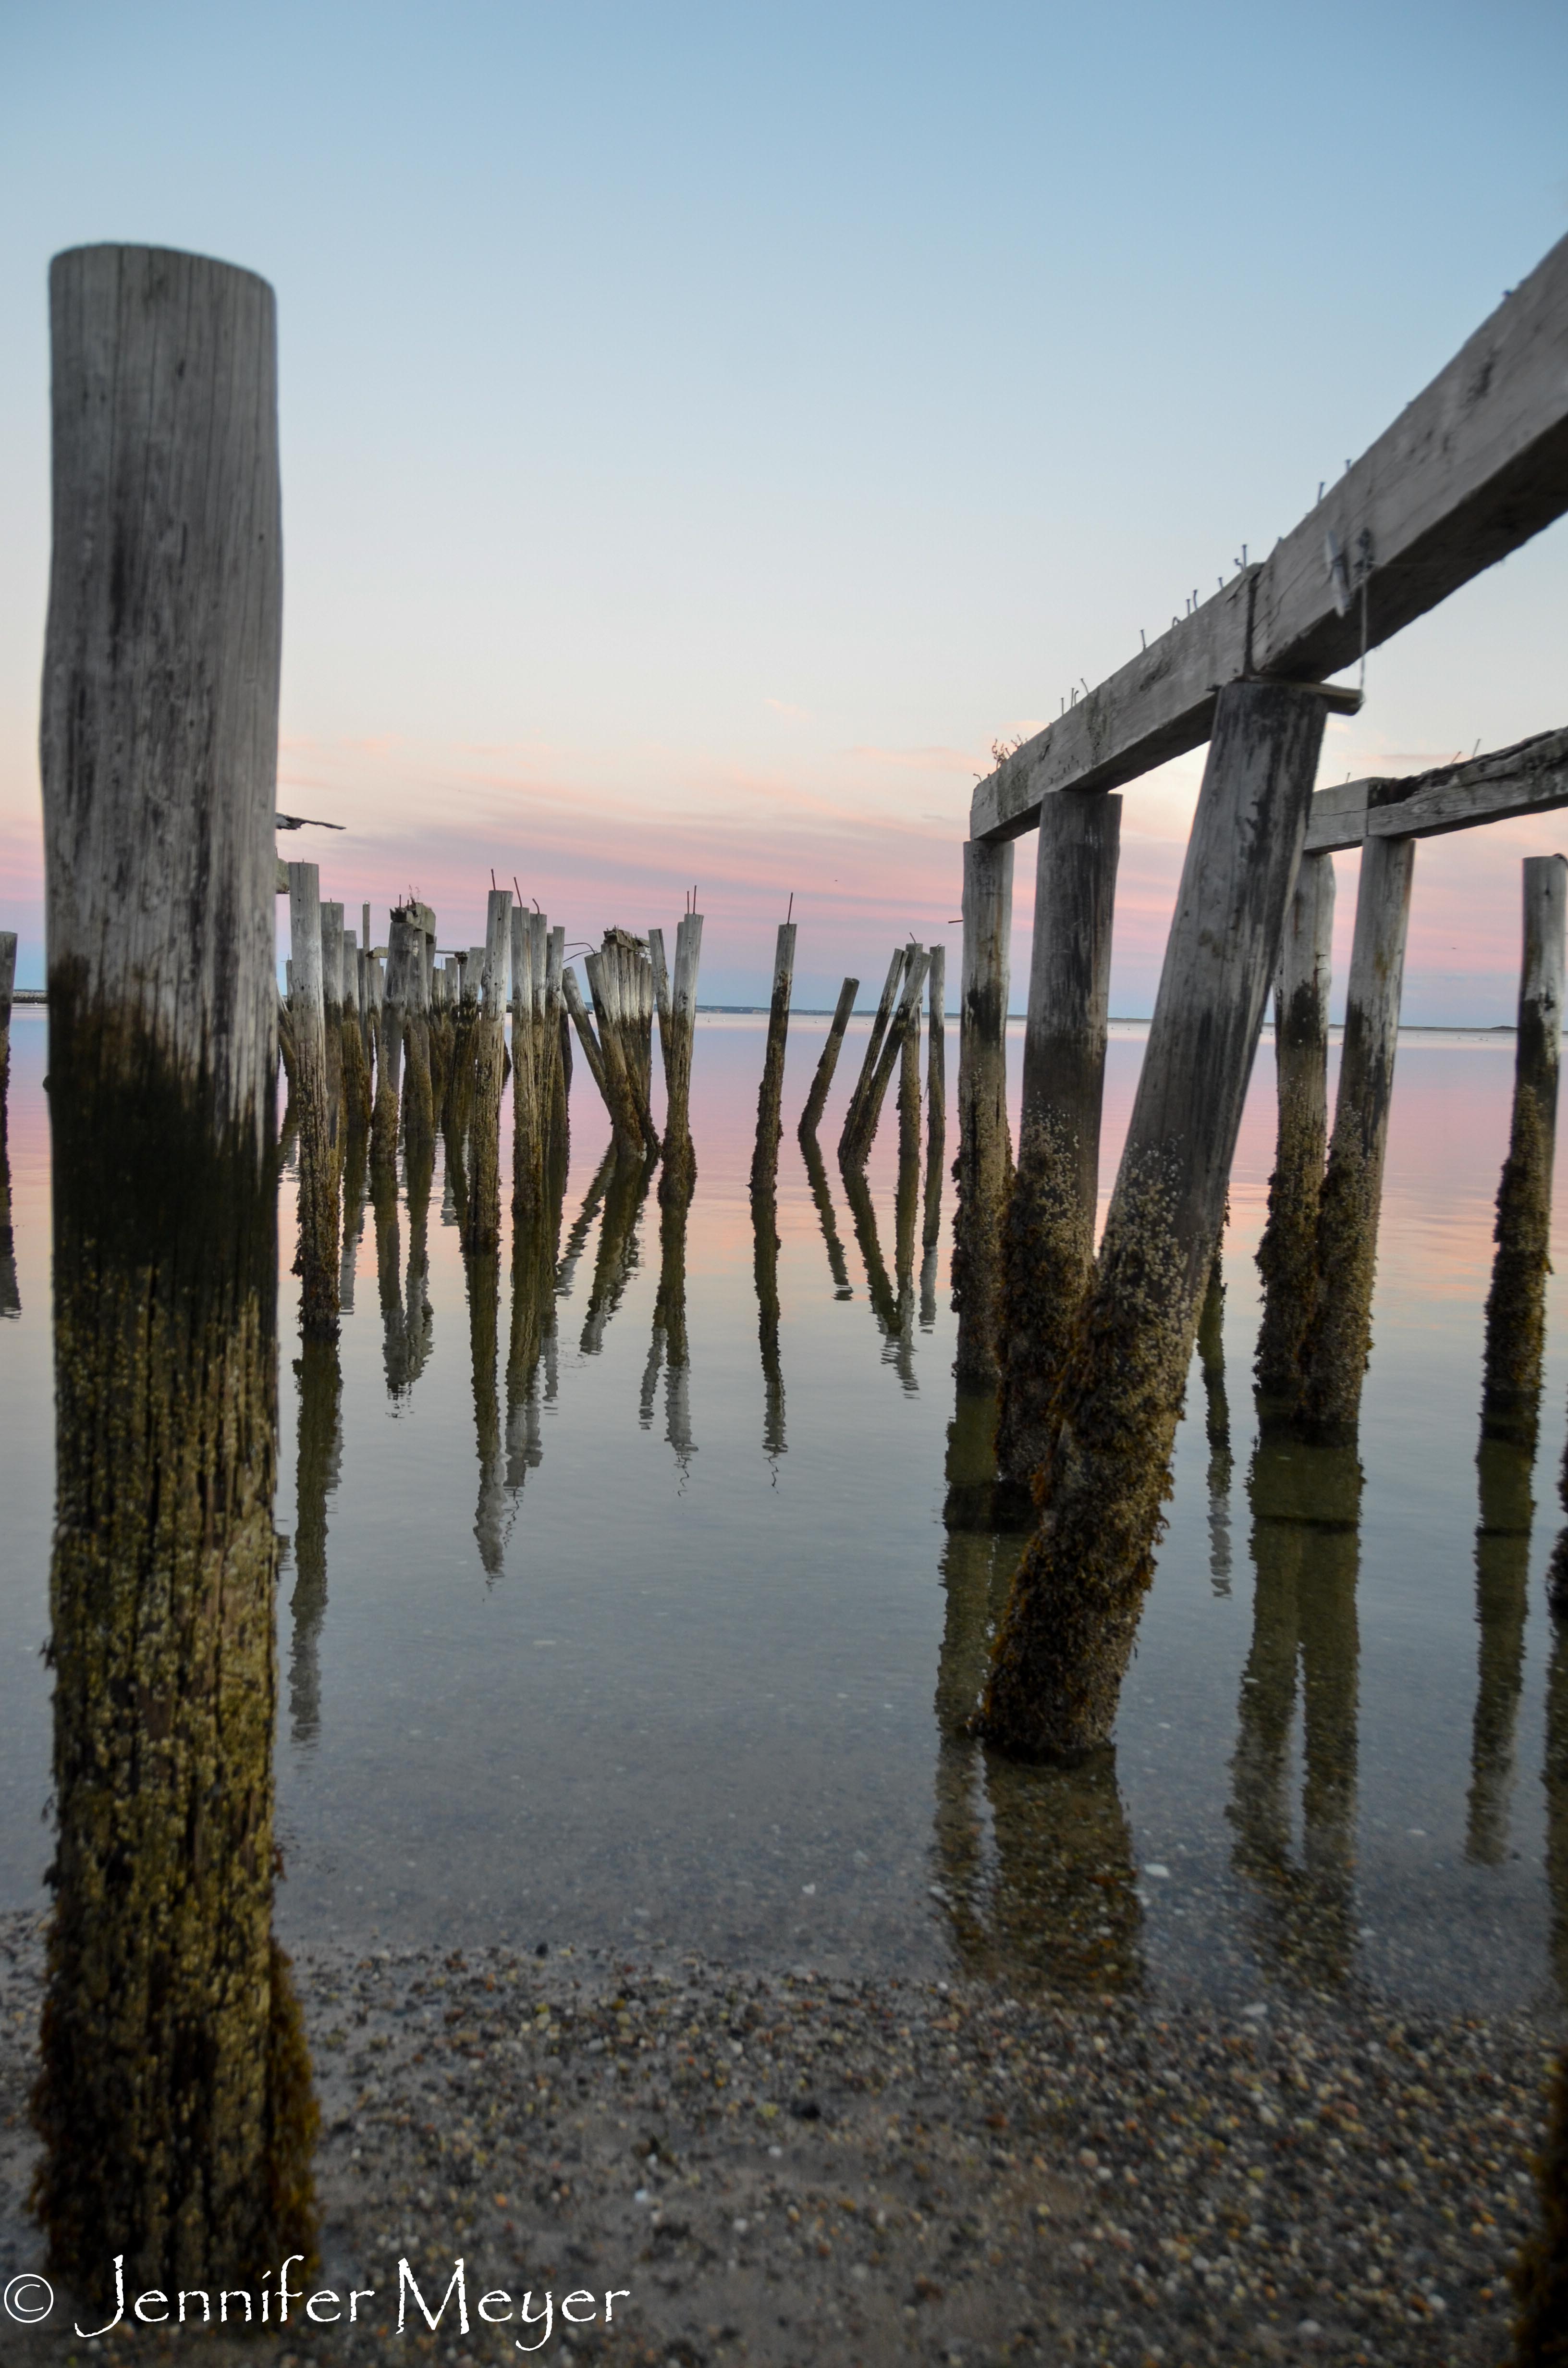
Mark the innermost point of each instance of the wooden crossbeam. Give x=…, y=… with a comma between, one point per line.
x=1530, y=778
x=1472, y=469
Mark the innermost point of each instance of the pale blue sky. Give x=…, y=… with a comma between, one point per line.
x=704, y=429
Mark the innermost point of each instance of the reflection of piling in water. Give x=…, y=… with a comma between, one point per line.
x=483, y=1273
x=535, y=1248
x=669, y=1346
x=1337, y=1346
x=936, y=1093
x=418, y=1317
x=1305, y=1503
x=770, y=1093
x=810, y=1151
x=1048, y=1236
x=764, y=1261
x=1063, y=1649
x=1055, y=1899
x=1515, y=1304
x=173, y=2098
x=617, y=1257
x=582, y=1224
x=984, y=1169
x=320, y=1378
x=816, y=1101
x=906, y=1210
x=1217, y=1423
x=356, y=1174
x=862, y=1210
x=1501, y=1607
x=389, y=1281
x=314, y=1110
x=1286, y=1254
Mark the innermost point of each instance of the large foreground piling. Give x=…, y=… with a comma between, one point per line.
x=10, y=1296
x=1062, y=1649
x=770, y=1093
x=936, y=1093
x=1286, y=1254
x=315, y=1111
x=481, y=1231
x=1516, y=1306
x=816, y=1101
x=873, y=1052
x=173, y=2098
x=982, y=1170
x=679, y=1174
x=7, y=989
x=1048, y=1245
x=1337, y=1346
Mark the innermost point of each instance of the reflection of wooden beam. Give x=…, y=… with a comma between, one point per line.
x=1530, y=778
x=1472, y=469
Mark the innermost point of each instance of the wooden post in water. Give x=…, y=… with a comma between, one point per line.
x=816, y=1101
x=1286, y=1254
x=174, y=2099
x=7, y=989
x=394, y=989
x=984, y=1169
x=1516, y=1306
x=1062, y=1649
x=10, y=1295
x=679, y=1176
x=314, y=1111
x=527, y=1167
x=356, y=1069
x=936, y=1095
x=1049, y=1234
x=770, y=1093
x=483, y=1231
x=873, y=1052
x=418, y=1117
x=906, y=1019
x=1338, y=1347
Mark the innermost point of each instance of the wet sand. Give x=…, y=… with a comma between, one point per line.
x=787, y=2169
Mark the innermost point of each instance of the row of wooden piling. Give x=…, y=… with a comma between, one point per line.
x=1087, y=1356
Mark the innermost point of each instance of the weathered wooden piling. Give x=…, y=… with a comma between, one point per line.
x=822, y=1083
x=873, y=1052
x=392, y=991
x=482, y=1231
x=174, y=2099
x=1515, y=1304
x=984, y=1169
x=578, y=1012
x=1338, y=1347
x=616, y=1054
x=527, y=1167
x=417, y=1116
x=936, y=1093
x=314, y=1109
x=679, y=1174
x=10, y=1294
x=1502, y=1608
x=770, y=1093
x=1063, y=1649
x=356, y=1068
x=905, y=1023
x=332, y=1019
x=909, y=1078
x=1286, y=1254
x=1048, y=1242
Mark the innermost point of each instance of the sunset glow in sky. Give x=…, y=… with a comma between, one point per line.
x=706, y=429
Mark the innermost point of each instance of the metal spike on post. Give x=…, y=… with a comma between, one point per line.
x=174, y=2099
x=822, y=1083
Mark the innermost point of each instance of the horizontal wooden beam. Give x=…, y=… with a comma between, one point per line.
x=1472, y=469
x=1530, y=778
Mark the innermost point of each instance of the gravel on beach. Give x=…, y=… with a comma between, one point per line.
x=783, y=2168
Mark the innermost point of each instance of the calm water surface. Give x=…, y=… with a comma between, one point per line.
x=634, y=1654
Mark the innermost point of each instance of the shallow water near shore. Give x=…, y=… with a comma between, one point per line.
x=622, y=1653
